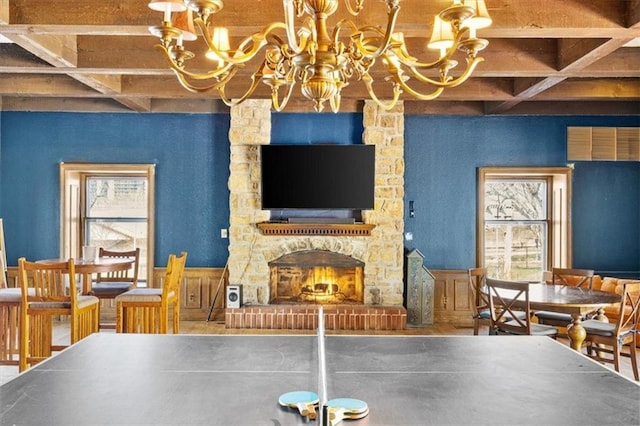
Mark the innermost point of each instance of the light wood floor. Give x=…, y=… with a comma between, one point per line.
x=61, y=334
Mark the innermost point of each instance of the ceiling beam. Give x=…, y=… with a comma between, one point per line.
x=572, y=56
x=512, y=18
x=88, y=52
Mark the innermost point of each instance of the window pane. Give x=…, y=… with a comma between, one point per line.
x=117, y=197
x=515, y=200
x=515, y=251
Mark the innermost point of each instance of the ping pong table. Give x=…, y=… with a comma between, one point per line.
x=136, y=379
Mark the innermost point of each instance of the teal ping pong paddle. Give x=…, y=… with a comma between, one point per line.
x=346, y=409
x=305, y=401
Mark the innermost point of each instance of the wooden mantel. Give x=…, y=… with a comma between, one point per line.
x=323, y=229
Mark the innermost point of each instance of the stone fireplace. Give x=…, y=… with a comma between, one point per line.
x=316, y=276
x=356, y=276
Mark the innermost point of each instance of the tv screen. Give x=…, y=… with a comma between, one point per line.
x=318, y=176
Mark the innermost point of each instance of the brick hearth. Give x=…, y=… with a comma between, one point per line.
x=305, y=317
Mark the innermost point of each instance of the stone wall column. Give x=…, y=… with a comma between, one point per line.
x=384, y=265
x=250, y=127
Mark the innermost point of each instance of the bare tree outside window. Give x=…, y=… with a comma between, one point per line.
x=515, y=228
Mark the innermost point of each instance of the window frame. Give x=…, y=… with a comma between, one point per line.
x=559, y=252
x=72, y=204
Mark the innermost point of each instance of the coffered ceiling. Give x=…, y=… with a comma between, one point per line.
x=550, y=57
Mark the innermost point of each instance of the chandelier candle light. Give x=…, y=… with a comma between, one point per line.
x=322, y=62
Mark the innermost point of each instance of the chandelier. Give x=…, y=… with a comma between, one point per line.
x=320, y=61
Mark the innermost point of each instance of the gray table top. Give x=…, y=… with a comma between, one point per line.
x=124, y=379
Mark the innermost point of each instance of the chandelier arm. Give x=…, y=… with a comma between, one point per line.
x=397, y=91
x=449, y=82
x=255, y=79
x=364, y=45
x=290, y=28
x=416, y=94
x=411, y=62
x=181, y=71
x=184, y=82
x=280, y=105
x=354, y=10
x=257, y=41
x=386, y=39
x=335, y=34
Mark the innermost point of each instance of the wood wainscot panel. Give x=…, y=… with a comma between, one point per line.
x=452, y=301
x=199, y=287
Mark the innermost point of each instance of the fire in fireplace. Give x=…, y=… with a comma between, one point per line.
x=316, y=276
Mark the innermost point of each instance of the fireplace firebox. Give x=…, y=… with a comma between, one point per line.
x=316, y=276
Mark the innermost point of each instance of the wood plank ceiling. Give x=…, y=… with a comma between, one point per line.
x=549, y=57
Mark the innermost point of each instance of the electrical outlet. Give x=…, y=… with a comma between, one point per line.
x=224, y=233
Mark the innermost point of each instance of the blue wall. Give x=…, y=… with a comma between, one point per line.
x=606, y=219
x=191, y=154
x=442, y=156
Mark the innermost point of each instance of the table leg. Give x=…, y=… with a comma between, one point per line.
x=576, y=332
x=601, y=316
x=86, y=283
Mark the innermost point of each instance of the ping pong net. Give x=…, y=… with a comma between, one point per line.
x=332, y=411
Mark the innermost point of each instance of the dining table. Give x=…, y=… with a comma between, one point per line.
x=575, y=301
x=98, y=265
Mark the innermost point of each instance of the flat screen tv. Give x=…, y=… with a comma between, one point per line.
x=320, y=176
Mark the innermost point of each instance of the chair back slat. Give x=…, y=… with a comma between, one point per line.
x=128, y=275
x=173, y=276
x=573, y=277
x=507, y=299
x=477, y=282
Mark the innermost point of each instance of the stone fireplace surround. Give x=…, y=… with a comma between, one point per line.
x=381, y=251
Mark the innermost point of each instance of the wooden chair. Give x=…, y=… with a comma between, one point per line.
x=572, y=277
x=605, y=340
x=479, y=298
x=10, y=301
x=146, y=310
x=567, y=277
x=508, y=300
x=49, y=290
x=111, y=284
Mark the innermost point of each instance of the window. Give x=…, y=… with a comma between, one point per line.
x=108, y=206
x=115, y=214
x=523, y=221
